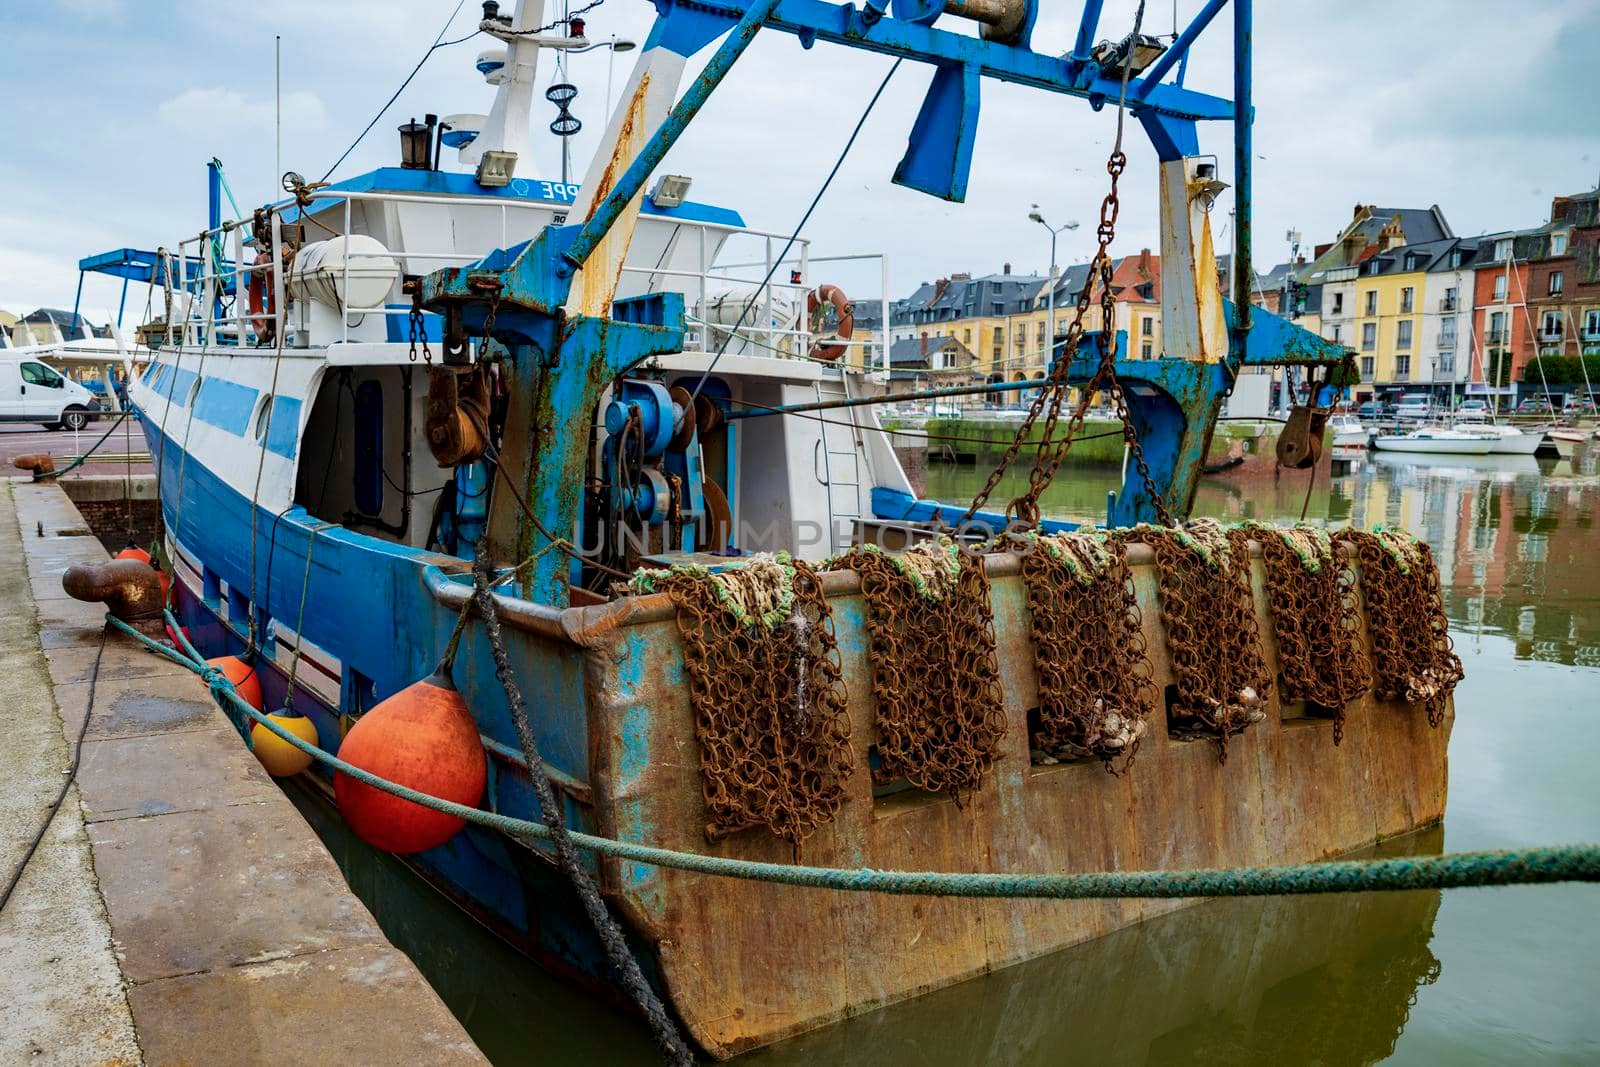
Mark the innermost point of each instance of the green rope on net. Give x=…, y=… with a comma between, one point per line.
x=1528, y=866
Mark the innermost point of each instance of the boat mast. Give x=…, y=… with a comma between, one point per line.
x=506, y=129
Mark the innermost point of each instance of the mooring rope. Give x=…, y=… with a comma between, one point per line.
x=78, y=462
x=1459, y=870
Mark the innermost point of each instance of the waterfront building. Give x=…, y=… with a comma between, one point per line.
x=1502, y=340
x=1563, y=296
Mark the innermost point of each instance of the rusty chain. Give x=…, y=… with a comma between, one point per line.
x=1413, y=657
x=1213, y=639
x=935, y=674
x=1316, y=618
x=1050, y=398
x=769, y=702
x=1096, y=683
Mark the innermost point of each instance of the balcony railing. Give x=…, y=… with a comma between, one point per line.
x=1447, y=340
x=1495, y=337
x=1447, y=303
x=1547, y=333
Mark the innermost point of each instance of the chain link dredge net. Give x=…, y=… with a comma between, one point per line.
x=769, y=703
x=1219, y=671
x=935, y=674
x=1413, y=657
x=1316, y=618
x=1096, y=683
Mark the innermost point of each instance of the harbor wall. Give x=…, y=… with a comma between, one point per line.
x=236, y=938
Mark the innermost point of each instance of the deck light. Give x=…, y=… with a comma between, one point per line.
x=669, y=191
x=496, y=168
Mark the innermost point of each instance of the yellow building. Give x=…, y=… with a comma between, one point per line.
x=1387, y=332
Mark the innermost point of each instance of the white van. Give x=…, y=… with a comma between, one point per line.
x=30, y=391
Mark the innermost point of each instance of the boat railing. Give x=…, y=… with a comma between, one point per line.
x=770, y=304
x=779, y=326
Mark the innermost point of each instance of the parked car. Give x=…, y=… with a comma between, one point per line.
x=30, y=391
x=1414, y=406
x=1535, y=405
x=1371, y=409
x=1473, y=410
x=1578, y=405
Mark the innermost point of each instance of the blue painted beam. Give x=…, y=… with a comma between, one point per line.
x=632, y=181
x=843, y=24
x=1087, y=26
x=1179, y=49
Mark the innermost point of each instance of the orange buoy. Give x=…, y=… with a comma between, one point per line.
x=423, y=737
x=279, y=757
x=242, y=675
x=134, y=552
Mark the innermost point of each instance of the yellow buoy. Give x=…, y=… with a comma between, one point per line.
x=279, y=757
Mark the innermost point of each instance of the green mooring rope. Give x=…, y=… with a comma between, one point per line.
x=1528, y=866
x=80, y=460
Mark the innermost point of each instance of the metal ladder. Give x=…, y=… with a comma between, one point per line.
x=847, y=460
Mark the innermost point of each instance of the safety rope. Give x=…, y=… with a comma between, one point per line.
x=1458, y=870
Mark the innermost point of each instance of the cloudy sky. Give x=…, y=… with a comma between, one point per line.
x=113, y=107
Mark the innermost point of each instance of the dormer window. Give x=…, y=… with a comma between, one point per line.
x=1558, y=244
x=1502, y=248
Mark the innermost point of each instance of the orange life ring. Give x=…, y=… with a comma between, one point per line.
x=840, y=303
x=262, y=314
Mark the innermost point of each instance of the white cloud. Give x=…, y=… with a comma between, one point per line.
x=212, y=109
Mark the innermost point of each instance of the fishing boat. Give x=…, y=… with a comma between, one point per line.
x=1435, y=441
x=444, y=444
x=1348, y=431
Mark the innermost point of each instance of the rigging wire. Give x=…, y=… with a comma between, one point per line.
x=795, y=236
x=438, y=43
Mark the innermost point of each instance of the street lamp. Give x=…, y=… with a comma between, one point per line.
x=616, y=44
x=1050, y=328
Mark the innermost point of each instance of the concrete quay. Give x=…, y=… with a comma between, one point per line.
x=179, y=910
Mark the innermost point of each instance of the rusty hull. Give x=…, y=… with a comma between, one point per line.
x=747, y=964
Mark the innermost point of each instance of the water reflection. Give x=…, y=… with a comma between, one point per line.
x=1264, y=981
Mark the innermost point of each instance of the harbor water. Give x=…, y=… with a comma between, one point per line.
x=1465, y=977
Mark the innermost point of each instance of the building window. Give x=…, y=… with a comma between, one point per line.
x=1147, y=326
x=1550, y=326
x=1499, y=286
x=1447, y=333
x=1558, y=244
x=1145, y=350
x=1447, y=363
x=1502, y=249
x=1372, y=301
x=1338, y=304
x=1407, y=295
x=1497, y=327
x=997, y=353
x=1338, y=330
x=1367, y=367
x=1449, y=301
x=1402, y=334
x=1369, y=336
x=1591, y=324
x=966, y=336
x=1402, y=367
x=1557, y=282
x=998, y=309
x=999, y=335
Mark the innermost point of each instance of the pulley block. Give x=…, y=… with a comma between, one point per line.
x=1300, y=442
